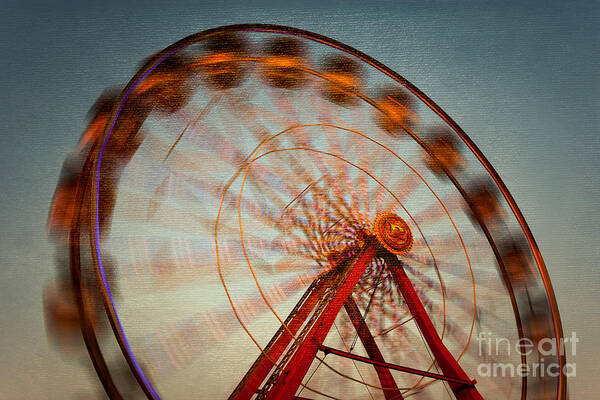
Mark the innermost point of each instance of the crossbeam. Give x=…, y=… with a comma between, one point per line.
x=330, y=350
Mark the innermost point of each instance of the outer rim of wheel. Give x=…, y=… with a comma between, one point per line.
x=160, y=56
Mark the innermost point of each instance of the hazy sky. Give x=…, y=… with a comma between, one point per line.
x=520, y=78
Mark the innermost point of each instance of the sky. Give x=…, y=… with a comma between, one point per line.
x=520, y=78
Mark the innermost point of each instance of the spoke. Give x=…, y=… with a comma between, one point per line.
x=201, y=115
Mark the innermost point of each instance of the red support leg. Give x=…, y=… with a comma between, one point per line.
x=263, y=365
x=444, y=358
x=295, y=370
x=391, y=391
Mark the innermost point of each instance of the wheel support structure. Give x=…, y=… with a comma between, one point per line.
x=333, y=291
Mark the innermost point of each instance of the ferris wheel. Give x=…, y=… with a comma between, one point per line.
x=266, y=213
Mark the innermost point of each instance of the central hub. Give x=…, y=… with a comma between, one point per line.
x=393, y=233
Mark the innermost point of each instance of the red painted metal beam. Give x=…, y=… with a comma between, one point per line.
x=390, y=389
x=263, y=364
x=444, y=358
x=295, y=370
x=396, y=367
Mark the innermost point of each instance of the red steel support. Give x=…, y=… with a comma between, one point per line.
x=295, y=370
x=444, y=358
x=263, y=365
x=390, y=389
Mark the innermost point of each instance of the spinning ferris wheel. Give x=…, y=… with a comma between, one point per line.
x=267, y=213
